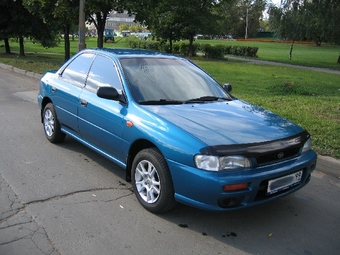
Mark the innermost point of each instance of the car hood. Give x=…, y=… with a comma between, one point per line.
x=232, y=122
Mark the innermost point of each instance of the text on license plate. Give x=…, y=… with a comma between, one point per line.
x=284, y=182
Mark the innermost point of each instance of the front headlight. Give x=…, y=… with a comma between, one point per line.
x=307, y=146
x=214, y=163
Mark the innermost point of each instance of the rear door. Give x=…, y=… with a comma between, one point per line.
x=100, y=120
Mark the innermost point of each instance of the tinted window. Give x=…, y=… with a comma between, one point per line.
x=77, y=70
x=169, y=79
x=103, y=73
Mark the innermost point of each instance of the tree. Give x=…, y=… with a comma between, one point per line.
x=322, y=19
x=5, y=24
x=228, y=17
x=61, y=15
x=249, y=15
x=165, y=24
x=176, y=19
x=98, y=11
x=21, y=23
x=123, y=26
x=197, y=17
x=316, y=20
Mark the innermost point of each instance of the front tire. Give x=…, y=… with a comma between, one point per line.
x=51, y=125
x=152, y=182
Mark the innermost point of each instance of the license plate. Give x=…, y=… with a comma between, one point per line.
x=284, y=182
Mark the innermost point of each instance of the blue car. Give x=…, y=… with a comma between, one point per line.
x=179, y=135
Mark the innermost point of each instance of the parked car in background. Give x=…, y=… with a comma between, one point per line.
x=178, y=134
x=109, y=35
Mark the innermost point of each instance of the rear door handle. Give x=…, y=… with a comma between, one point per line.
x=54, y=89
x=83, y=102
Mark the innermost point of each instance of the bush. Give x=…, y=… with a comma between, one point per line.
x=251, y=51
x=136, y=43
x=218, y=51
x=210, y=51
x=133, y=42
x=227, y=49
x=152, y=45
x=243, y=51
x=182, y=48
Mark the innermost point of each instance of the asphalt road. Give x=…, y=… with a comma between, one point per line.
x=66, y=199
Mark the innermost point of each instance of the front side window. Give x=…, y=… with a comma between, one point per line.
x=154, y=79
x=76, y=72
x=103, y=73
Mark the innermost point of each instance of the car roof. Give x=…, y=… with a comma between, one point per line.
x=128, y=53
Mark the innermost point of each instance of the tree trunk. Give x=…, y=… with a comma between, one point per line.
x=318, y=41
x=7, y=47
x=170, y=45
x=339, y=59
x=191, y=42
x=101, y=19
x=67, y=42
x=291, y=50
x=100, y=39
x=246, y=33
x=22, y=48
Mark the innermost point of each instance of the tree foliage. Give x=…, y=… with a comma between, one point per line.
x=16, y=21
x=97, y=13
x=249, y=12
x=316, y=20
x=172, y=20
x=176, y=19
x=61, y=14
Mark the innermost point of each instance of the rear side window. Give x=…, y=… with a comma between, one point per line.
x=103, y=73
x=76, y=72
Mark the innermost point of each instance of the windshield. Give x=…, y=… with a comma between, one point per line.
x=169, y=80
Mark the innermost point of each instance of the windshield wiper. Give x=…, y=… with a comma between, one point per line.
x=160, y=102
x=206, y=99
x=202, y=99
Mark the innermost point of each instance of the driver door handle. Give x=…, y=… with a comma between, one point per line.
x=83, y=102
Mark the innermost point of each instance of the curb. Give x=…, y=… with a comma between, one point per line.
x=21, y=71
x=325, y=164
x=328, y=165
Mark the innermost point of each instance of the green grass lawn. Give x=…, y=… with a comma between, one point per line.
x=303, y=54
x=308, y=98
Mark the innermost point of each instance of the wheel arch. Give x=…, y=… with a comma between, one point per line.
x=136, y=147
x=44, y=102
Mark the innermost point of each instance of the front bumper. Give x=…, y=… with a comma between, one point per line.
x=204, y=190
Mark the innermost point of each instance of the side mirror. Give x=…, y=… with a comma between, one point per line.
x=108, y=93
x=227, y=87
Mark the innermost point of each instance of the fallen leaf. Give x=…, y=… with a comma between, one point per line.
x=121, y=206
x=270, y=234
x=94, y=195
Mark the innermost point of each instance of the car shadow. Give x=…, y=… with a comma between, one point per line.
x=89, y=155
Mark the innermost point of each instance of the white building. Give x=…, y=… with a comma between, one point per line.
x=114, y=19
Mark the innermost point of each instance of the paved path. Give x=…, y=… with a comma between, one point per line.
x=19, y=232
x=265, y=62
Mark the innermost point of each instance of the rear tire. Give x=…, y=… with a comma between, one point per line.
x=152, y=182
x=51, y=125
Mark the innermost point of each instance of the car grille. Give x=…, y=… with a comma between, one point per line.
x=272, y=157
